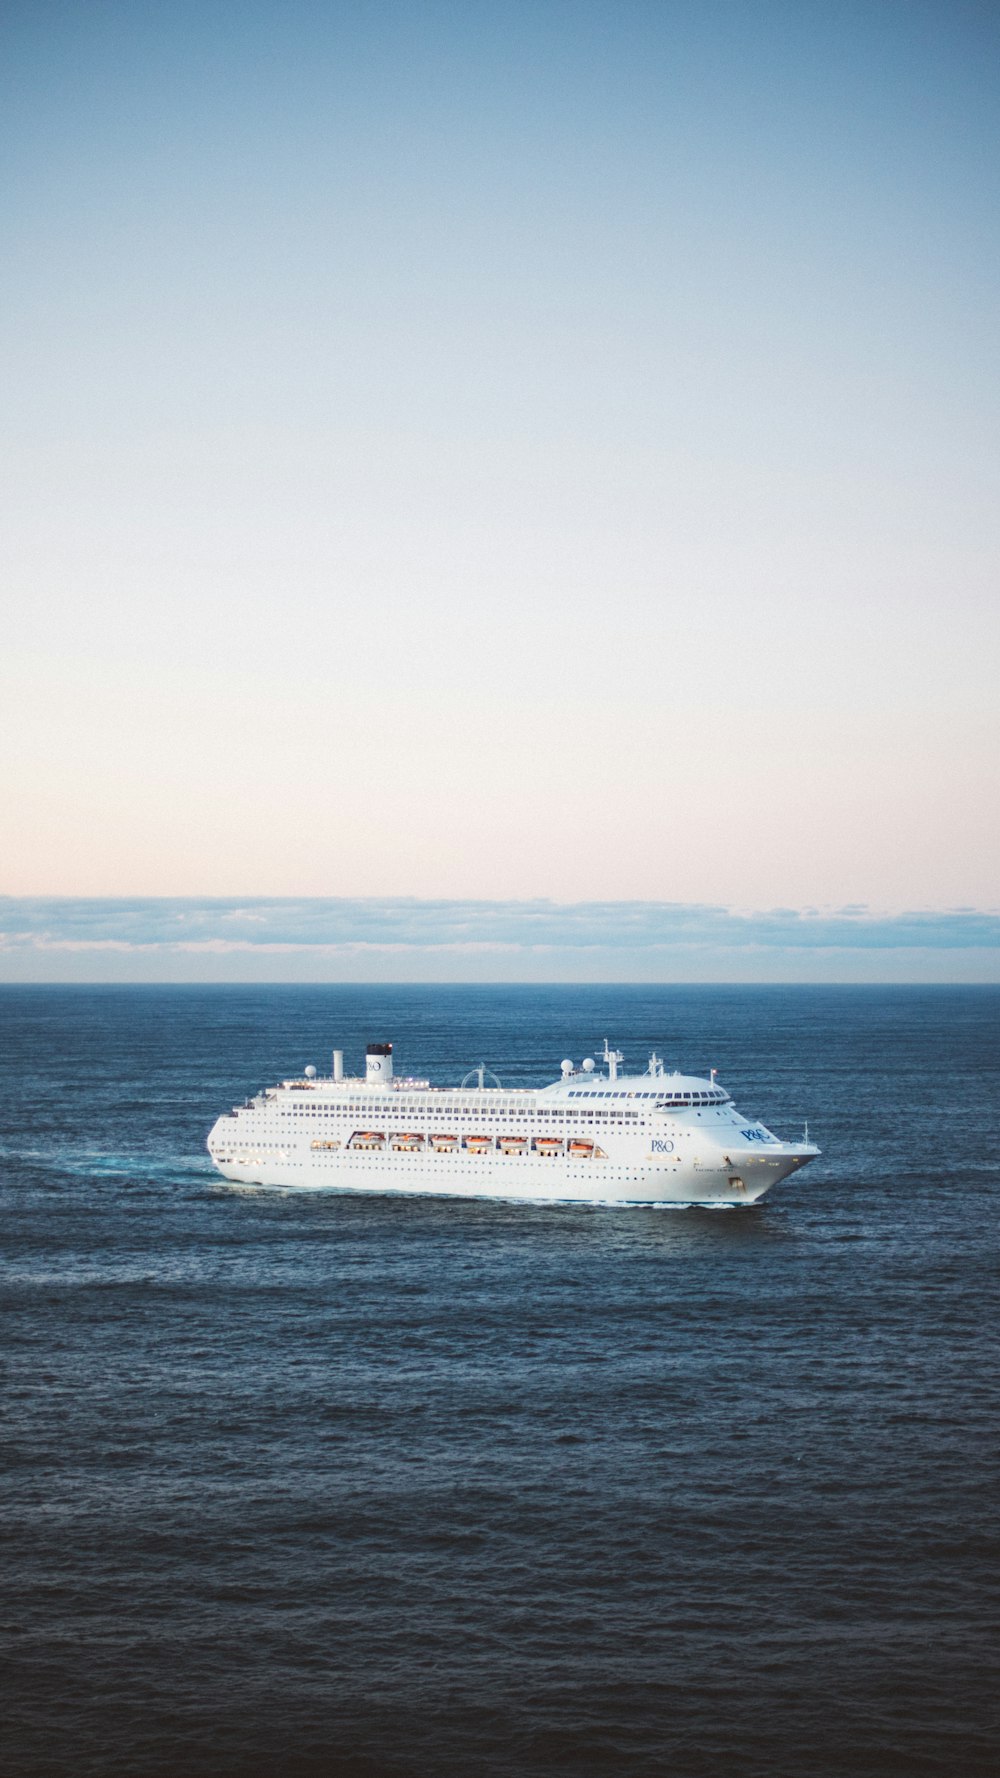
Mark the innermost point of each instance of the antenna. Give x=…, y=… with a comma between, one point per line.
x=612, y=1058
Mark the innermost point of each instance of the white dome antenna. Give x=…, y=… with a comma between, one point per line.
x=566, y=1068
x=310, y=1072
x=588, y=1064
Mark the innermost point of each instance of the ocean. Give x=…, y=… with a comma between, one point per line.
x=386, y=1487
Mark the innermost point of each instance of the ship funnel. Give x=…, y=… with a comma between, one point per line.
x=338, y=1065
x=378, y=1063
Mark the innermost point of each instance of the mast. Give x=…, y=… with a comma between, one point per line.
x=612, y=1058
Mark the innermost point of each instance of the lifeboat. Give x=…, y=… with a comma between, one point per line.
x=444, y=1144
x=406, y=1142
x=580, y=1150
x=548, y=1145
x=321, y=1144
x=478, y=1144
x=367, y=1139
x=513, y=1144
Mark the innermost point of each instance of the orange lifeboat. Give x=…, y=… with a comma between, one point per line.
x=513, y=1144
x=406, y=1141
x=548, y=1144
x=580, y=1150
x=444, y=1144
x=478, y=1144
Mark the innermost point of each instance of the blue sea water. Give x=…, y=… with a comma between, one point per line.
x=378, y=1487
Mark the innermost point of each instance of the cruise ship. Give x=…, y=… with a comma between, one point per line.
x=595, y=1136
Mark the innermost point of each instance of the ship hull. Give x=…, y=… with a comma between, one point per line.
x=518, y=1178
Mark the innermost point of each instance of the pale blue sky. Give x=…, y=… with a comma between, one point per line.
x=500, y=452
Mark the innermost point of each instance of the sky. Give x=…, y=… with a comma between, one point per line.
x=502, y=454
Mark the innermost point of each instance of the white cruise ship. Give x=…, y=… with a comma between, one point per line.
x=590, y=1137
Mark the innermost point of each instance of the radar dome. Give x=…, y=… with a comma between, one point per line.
x=588, y=1064
x=310, y=1072
x=566, y=1067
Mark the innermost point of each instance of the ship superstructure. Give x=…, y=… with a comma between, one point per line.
x=590, y=1136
